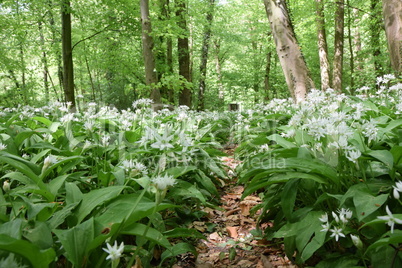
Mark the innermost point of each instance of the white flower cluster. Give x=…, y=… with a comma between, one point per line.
x=163, y=182
x=340, y=219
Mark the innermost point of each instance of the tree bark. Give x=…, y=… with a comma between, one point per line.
x=68, y=69
x=267, y=84
x=338, y=46
x=375, y=33
x=322, y=46
x=293, y=65
x=218, y=67
x=44, y=61
x=183, y=54
x=204, y=56
x=392, y=10
x=149, y=59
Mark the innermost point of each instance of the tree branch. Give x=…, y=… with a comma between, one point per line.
x=91, y=36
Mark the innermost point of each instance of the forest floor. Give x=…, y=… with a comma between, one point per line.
x=231, y=244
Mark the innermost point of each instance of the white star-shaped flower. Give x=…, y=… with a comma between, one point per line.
x=114, y=252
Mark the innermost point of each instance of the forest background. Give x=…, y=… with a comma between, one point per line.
x=203, y=54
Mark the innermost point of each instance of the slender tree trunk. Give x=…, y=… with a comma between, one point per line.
x=338, y=47
x=149, y=60
x=183, y=54
x=267, y=85
x=322, y=46
x=218, y=66
x=68, y=69
x=169, y=62
x=393, y=28
x=204, y=56
x=292, y=61
x=44, y=61
x=351, y=50
x=256, y=74
x=375, y=32
x=161, y=50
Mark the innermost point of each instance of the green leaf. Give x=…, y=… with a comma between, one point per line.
x=366, y=203
x=187, y=190
x=76, y=240
x=151, y=234
x=95, y=198
x=40, y=235
x=60, y=216
x=38, y=258
x=73, y=193
x=316, y=243
x=281, y=141
x=180, y=171
x=384, y=156
x=118, y=209
x=183, y=232
x=68, y=163
x=178, y=249
x=288, y=197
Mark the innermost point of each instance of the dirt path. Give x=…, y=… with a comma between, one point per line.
x=230, y=242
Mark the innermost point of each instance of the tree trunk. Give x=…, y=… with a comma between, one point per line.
x=68, y=69
x=351, y=51
x=218, y=66
x=338, y=46
x=375, y=33
x=267, y=85
x=393, y=28
x=292, y=61
x=183, y=54
x=204, y=56
x=44, y=61
x=149, y=60
x=322, y=46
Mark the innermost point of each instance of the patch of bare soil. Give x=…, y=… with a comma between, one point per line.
x=231, y=243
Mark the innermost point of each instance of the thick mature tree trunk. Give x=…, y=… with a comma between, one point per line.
x=393, y=28
x=292, y=61
x=375, y=32
x=204, y=56
x=338, y=46
x=183, y=53
x=322, y=46
x=149, y=59
x=68, y=69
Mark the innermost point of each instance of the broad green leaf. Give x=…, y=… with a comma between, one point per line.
x=118, y=209
x=95, y=198
x=288, y=197
x=139, y=229
x=180, y=171
x=40, y=235
x=38, y=258
x=183, y=232
x=12, y=228
x=366, y=203
x=281, y=141
x=73, y=193
x=384, y=156
x=317, y=242
x=68, y=163
x=390, y=239
x=187, y=191
x=43, y=120
x=206, y=182
x=76, y=240
x=59, y=216
x=22, y=136
x=178, y=249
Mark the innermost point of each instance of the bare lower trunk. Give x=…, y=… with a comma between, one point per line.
x=204, y=56
x=68, y=69
x=393, y=28
x=149, y=60
x=267, y=85
x=322, y=46
x=218, y=67
x=292, y=61
x=338, y=53
x=184, y=55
